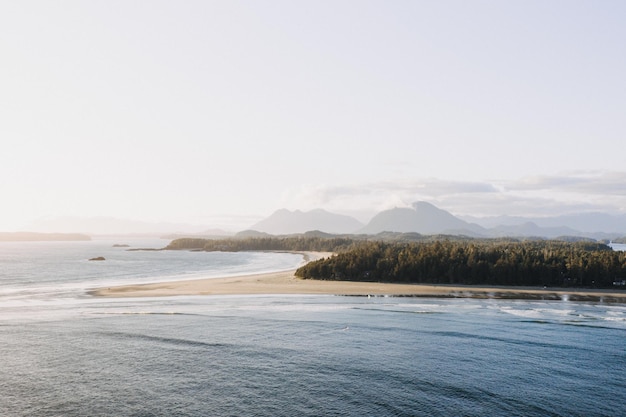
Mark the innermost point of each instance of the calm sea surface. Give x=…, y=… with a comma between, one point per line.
x=65, y=353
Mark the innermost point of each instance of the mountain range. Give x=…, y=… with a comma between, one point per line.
x=583, y=222
x=422, y=217
x=427, y=219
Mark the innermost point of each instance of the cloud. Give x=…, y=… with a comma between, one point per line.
x=592, y=182
x=573, y=192
x=427, y=187
x=369, y=198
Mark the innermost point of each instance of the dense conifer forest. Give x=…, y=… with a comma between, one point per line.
x=444, y=261
x=531, y=263
x=295, y=243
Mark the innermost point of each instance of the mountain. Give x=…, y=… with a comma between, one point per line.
x=532, y=229
x=251, y=234
x=205, y=234
x=284, y=222
x=427, y=219
x=598, y=225
x=422, y=218
x=588, y=222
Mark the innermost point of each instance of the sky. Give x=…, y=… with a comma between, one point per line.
x=218, y=113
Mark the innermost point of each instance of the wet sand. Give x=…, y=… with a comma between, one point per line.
x=287, y=283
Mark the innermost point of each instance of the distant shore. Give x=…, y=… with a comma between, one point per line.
x=287, y=283
x=41, y=237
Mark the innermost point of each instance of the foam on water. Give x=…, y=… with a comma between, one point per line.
x=313, y=355
x=65, y=353
x=62, y=269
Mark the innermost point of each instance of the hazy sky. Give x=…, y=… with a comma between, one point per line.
x=220, y=112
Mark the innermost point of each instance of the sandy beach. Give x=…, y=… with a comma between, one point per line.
x=287, y=283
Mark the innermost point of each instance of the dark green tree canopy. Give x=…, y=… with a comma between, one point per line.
x=441, y=260
x=535, y=263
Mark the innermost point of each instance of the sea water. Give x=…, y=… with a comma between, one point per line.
x=65, y=353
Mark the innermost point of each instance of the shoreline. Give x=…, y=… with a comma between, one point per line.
x=285, y=282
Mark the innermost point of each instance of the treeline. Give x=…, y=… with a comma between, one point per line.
x=527, y=263
x=296, y=243
x=310, y=241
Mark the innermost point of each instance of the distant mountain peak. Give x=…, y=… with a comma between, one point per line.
x=424, y=205
x=283, y=222
x=422, y=217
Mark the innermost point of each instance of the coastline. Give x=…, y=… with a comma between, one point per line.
x=285, y=282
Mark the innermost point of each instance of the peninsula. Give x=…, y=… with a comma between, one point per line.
x=287, y=283
x=542, y=270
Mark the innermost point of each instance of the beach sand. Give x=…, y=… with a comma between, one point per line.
x=287, y=283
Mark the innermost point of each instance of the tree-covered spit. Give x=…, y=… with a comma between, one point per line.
x=404, y=258
x=480, y=262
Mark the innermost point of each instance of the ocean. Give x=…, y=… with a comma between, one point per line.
x=65, y=353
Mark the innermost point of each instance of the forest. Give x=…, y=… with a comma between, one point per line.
x=293, y=243
x=506, y=262
x=526, y=263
